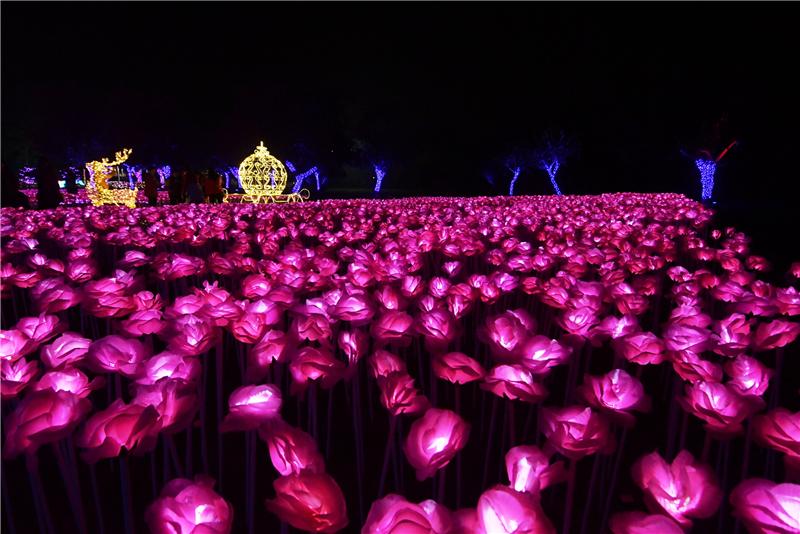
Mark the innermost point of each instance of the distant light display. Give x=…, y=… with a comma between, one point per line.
x=552, y=170
x=516, y=170
x=298, y=180
x=164, y=173
x=707, y=168
x=380, y=173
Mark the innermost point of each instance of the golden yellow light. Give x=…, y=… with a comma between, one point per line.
x=97, y=189
x=262, y=176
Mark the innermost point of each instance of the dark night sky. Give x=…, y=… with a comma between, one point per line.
x=441, y=90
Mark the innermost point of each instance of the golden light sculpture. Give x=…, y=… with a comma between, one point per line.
x=97, y=188
x=263, y=178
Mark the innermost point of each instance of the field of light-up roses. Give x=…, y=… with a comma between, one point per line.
x=614, y=363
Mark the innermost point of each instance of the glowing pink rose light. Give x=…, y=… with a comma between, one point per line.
x=501, y=510
x=291, y=450
x=641, y=523
x=42, y=417
x=764, y=506
x=683, y=490
x=721, y=407
x=513, y=382
x=251, y=406
x=576, y=431
x=616, y=392
x=119, y=426
x=15, y=376
x=189, y=507
x=529, y=469
x=779, y=429
x=433, y=440
x=457, y=368
x=309, y=501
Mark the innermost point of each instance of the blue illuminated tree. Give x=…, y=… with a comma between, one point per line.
x=550, y=155
x=515, y=163
x=704, y=160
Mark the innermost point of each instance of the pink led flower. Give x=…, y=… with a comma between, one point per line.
x=142, y=323
x=457, y=368
x=732, y=335
x=683, y=490
x=309, y=501
x=506, y=333
x=315, y=364
x=539, y=354
x=192, y=335
x=513, y=382
x=501, y=510
x=40, y=329
x=251, y=406
x=42, y=417
x=189, y=507
x=14, y=344
x=433, y=440
x=354, y=344
x=382, y=363
x=106, y=433
x=613, y=327
x=529, y=469
x=393, y=328
x=175, y=402
x=578, y=321
x=766, y=507
x=439, y=329
x=748, y=375
x=270, y=348
x=399, y=396
x=678, y=338
x=15, y=376
x=291, y=450
x=116, y=354
x=641, y=523
x=70, y=380
x=355, y=308
x=779, y=429
x=692, y=368
x=616, y=392
x=642, y=348
x=576, y=431
x=393, y=514
x=788, y=301
x=721, y=407
x=168, y=366
x=777, y=333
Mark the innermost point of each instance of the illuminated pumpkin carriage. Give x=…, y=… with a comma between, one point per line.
x=263, y=178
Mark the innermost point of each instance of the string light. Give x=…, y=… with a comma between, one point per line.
x=552, y=170
x=707, y=168
x=380, y=173
x=298, y=180
x=516, y=171
x=290, y=166
x=262, y=176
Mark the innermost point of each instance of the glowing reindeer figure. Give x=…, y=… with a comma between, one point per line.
x=98, y=190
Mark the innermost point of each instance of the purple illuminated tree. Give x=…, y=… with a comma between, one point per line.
x=551, y=154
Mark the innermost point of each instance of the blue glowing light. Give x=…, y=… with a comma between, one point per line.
x=298, y=180
x=489, y=178
x=516, y=171
x=707, y=168
x=552, y=170
x=290, y=166
x=380, y=172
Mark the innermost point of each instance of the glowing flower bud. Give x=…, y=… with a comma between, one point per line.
x=309, y=501
x=251, y=406
x=683, y=490
x=189, y=507
x=433, y=440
